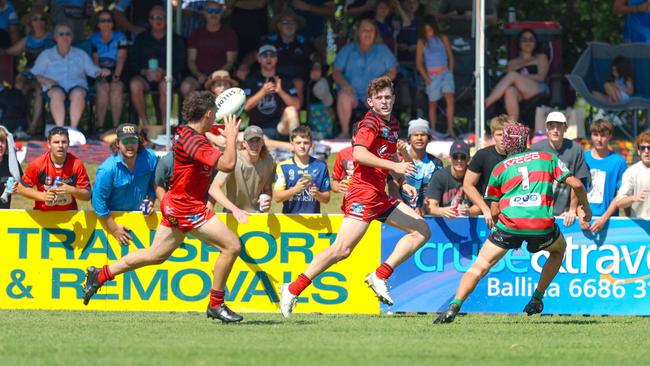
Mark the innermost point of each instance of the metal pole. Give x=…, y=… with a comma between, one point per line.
x=479, y=72
x=168, y=73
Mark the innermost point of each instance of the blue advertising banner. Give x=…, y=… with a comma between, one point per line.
x=607, y=273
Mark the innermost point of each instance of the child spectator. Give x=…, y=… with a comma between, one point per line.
x=55, y=180
x=620, y=86
x=9, y=165
x=435, y=62
x=302, y=182
x=606, y=168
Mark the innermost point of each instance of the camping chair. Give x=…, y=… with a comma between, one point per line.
x=592, y=71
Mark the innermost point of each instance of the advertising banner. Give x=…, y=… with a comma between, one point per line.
x=608, y=273
x=43, y=258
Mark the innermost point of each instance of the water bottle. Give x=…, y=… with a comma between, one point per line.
x=56, y=183
x=145, y=206
x=9, y=189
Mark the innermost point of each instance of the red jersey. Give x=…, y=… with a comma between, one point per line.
x=194, y=159
x=42, y=172
x=344, y=165
x=380, y=138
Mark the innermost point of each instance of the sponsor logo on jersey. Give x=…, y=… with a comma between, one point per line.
x=522, y=159
x=526, y=200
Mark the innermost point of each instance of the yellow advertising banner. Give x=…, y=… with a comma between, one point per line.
x=43, y=258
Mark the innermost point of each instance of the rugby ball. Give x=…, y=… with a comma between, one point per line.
x=231, y=101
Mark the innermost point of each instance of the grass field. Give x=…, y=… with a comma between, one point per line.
x=136, y=338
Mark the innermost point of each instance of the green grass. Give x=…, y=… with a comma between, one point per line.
x=137, y=338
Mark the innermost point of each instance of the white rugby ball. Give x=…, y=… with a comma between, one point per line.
x=231, y=101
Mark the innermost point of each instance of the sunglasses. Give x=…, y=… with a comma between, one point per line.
x=157, y=17
x=644, y=147
x=64, y=34
x=105, y=20
x=527, y=39
x=287, y=21
x=459, y=157
x=267, y=55
x=38, y=19
x=213, y=10
x=129, y=140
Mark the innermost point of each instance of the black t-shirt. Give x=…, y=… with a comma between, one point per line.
x=268, y=112
x=483, y=162
x=446, y=189
x=293, y=57
x=4, y=175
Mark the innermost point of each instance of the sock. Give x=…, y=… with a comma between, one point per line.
x=384, y=271
x=105, y=275
x=216, y=297
x=457, y=302
x=538, y=295
x=300, y=284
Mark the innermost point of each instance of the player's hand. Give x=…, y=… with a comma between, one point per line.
x=50, y=196
x=231, y=127
x=121, y=233
x=404, y=168
x=241, y=216
x=489, y=220
x=598, y=225
x=569, y=217
x=410, y=191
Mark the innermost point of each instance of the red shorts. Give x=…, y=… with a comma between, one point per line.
x=361, y=203
x=184, y=222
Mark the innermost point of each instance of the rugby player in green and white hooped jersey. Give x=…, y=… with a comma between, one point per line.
x=521, y=193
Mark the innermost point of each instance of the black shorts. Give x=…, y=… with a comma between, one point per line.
x=535, y=243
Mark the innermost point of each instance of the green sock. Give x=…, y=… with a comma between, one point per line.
x=538, y=295
x=457, y=302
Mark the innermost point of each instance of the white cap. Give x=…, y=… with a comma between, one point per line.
x=556, y=117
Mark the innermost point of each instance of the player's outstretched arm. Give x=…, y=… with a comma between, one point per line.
x=226, y=162
x=469, y=187
x=581, y=193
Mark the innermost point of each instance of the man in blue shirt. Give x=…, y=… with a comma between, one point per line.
x=606, y=168
x=302, y=183
x=124, y=180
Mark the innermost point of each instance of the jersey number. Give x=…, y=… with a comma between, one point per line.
x=525, y=182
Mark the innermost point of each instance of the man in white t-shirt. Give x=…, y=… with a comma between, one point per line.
x=635, y=189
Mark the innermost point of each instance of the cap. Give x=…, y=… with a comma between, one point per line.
x=419, y=125
x=556, y=117
x=459, y=146
x=267, y=47
x=252, y=132
x=127, y=130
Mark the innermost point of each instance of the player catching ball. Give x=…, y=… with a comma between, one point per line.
x=184, y=206
x=375, y=145
x=520, y=189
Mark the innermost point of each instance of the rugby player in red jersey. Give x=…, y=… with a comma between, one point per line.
x=184, y=206
x=375, y=145
x=520, y=189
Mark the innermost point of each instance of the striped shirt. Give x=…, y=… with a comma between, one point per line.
x=523, y=185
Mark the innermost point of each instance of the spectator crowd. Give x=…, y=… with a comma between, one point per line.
x=281, y=64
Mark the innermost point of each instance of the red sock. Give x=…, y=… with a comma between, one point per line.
x=299, y=285
x=384, y=271
x=216, y=297
x=105, y=275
